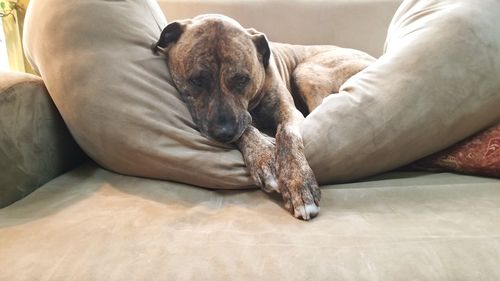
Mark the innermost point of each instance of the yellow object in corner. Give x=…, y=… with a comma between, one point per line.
x=12, y=13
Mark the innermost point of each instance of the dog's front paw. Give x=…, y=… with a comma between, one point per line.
x=262, y=166
x=301, y=193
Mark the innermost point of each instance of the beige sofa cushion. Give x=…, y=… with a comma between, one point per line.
x=437, y=83
x=116, y=95
x=91, y=224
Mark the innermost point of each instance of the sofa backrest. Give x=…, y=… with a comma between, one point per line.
x=359, y=24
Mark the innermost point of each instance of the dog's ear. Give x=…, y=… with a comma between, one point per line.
x=262, y=45
x=170, y=34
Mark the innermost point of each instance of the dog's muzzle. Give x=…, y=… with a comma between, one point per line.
x=228, y=129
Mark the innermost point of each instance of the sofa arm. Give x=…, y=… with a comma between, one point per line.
x=35, y=145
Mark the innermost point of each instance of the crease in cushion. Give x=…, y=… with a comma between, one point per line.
x=436, y=84
x=117, y=97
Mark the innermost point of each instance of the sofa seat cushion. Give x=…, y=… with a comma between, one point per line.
x=91, y=224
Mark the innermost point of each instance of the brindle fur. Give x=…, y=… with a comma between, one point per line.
x=207, y=54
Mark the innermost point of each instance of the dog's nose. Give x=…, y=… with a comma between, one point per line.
x=224, y=133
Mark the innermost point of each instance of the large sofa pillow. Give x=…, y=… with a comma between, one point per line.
x=437, y=83
x=116, y=96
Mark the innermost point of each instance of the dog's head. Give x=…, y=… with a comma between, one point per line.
x=219, y=68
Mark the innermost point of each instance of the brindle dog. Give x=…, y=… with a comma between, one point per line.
x=234, y=81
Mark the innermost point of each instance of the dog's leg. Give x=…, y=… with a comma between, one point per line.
x=296, y=180
x=260, y=158
x=324, y=73
x=312, y=83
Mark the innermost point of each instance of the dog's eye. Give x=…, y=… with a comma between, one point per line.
x=239, y=82
x=198, y=81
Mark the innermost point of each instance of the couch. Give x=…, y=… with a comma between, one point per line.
x=64, y=217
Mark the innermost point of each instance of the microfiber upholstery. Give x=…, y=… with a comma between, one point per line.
x=35, y=145
x=436, y=83
x=116, y=96
x=91, y=224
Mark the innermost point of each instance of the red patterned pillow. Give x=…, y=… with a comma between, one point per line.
x=477, y=155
